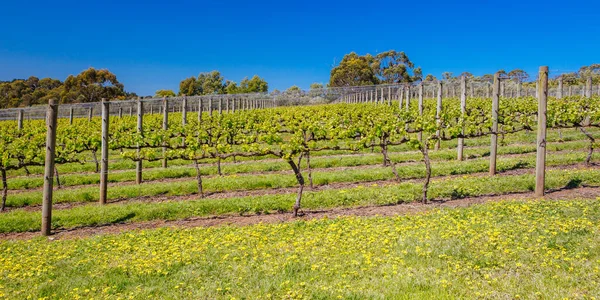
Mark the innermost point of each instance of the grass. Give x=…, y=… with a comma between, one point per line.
x=266, y=181
x=280, y=165
x=443, y=188
x=505, y=250
x=118, y=163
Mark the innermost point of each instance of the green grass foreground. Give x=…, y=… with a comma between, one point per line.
x=367, y=195
x=504, y=250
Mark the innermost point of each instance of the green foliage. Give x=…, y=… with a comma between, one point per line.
x=164, y=93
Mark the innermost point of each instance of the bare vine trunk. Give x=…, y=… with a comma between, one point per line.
x=4, y=189
x=588, y=160
x=425, y=152
x=310, y=181
x=387, y=161
x=199, y=178
x=96, y=161
x=219, y=166
x=300, y=180
x=57, y=177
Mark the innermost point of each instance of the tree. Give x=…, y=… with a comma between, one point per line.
x=466, y=75
x=211, y=83
x=231, y=87
x=430, y=78
x=518, y=75
x=395, y=67
x=447, y=76
x=293, y=90
x=92, y=85
x=164, y=93
x=257, y=85
x=353, y=70
x=189, y=87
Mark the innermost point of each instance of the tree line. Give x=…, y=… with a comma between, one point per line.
x=88, y=86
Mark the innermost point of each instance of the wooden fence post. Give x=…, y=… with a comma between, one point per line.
x=559, y=92
x=140, y=123
x=104, y=151
x=165, y=126
x=90, y=114
x=20, y=119
x=220, y=105
x=184, y=110
x=71, y=115
x=407, y=96
x=463, y=108
x=588, y=87
x=540, y=163
x=199, y=110
x=494, y=140
x=51, y=118
x=438, y=114
x=210, y=106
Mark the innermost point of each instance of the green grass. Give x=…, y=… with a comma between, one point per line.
x=280, y=165
x=125, y=164
x=266, y=181
x=506, y=250
x=443, y=188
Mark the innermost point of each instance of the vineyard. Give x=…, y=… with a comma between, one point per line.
x=259, y=159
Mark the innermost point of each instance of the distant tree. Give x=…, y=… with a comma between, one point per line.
x=211, y=83
x=293, y=90
x=518, y=75
x=316, y=86
x=164, y=93
x=447, y=76
x=91, y=85
x=466, y=74
x=257, y=85
x=353, y=70
x=395, y=67
x=189, y=87
x=430, y=78
x=487, y=77
x=231, y=87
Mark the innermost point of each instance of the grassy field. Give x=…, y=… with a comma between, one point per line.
x=503, y=250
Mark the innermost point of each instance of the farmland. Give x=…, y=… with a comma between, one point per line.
x=302, y=161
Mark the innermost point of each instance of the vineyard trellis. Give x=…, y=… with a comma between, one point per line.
x=230, y=126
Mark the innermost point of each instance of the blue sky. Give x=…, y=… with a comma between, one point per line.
x=153, y=45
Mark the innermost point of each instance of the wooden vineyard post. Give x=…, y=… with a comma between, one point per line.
x=90, y=114
x=389, y=95
x=165, y=126
x=420, y=134
x=130, y=111
x=494, y=139
x=376, y=100
x=588, y=87
x=120, y=111
x=559, y=92
x=210, y=106
x=104, y=151
x=20, y=119
x=199, y=110
x=540, y=162
x=184, y=111
x=71, y=115
x=502, y=89
x=220, y=105
x=438, y=114
x=487, y=90
x=140, y=123
x=463, y=108
x=518, y=89
x=407, y=97
x=51, y=117
x=472, y=88
x=233, y=105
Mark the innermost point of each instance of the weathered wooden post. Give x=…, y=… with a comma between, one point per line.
x=140, y=124
x=519, y=89
x=20, y=119
x=588, y=87
x=165, y=126
x=51, y=118
x=540, y=163
x=210, y=106
x=463, y=108
x=487, y=90
x=407, y=96
x=472, y=88
x=199, y=110
x=438, y=114
x=104, y=151
x=184, y=110
x=220, y=106
x=71, y=115
x=495, y=105
x=559, y=92
x=90, y=113
x=570, y=90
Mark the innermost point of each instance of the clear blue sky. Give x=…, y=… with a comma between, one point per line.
x=153, y=45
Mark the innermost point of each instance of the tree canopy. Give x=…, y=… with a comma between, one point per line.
x=214, y=83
